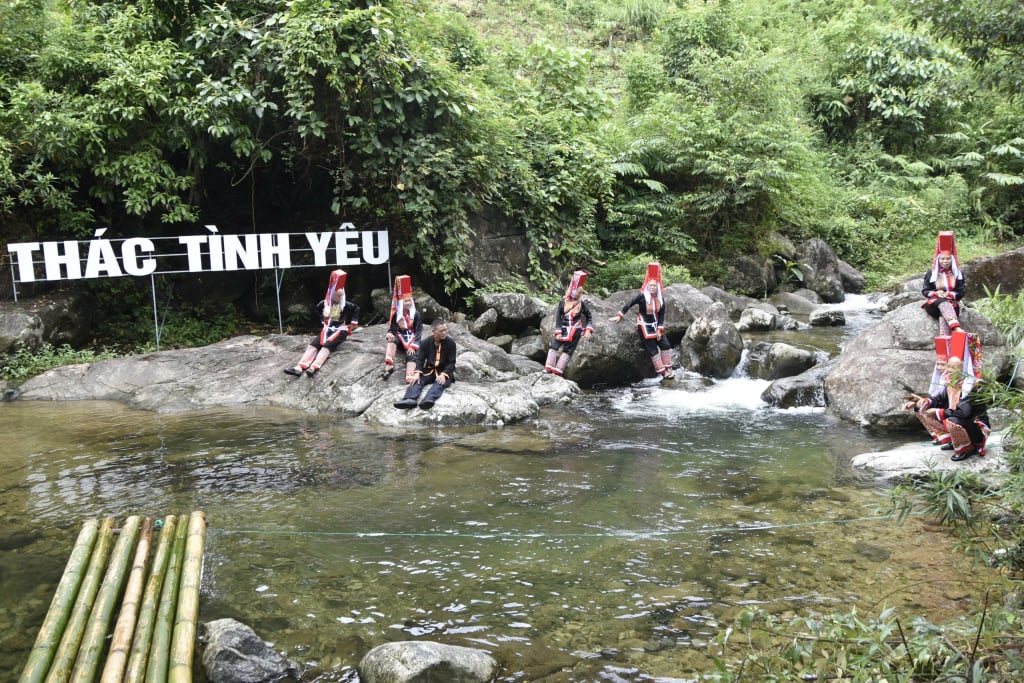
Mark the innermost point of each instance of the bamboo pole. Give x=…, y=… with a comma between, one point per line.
x=184, y=637
x=117, y=656
x=156, y=667
x=95, y=640
x=60, y=670
x=136, y=671
x=57, y=616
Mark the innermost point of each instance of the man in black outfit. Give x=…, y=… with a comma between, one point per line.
x=435, y=365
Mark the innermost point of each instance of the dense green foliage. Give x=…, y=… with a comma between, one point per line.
x=25, y=363
x=688, y=131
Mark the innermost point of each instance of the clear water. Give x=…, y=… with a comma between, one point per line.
x=608, y=540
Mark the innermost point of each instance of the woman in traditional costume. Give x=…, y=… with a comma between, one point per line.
x=953, y=410
x=405, y=328
x=944, y=285
x=573, y=322
x=650, y=321
x=340, y=319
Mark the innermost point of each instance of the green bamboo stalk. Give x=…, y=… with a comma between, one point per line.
x=117, y=656
x=184, y=638
x=156, y=667
x=94, y=642
x=57, y=616
x=64, y=660
x=137, y=660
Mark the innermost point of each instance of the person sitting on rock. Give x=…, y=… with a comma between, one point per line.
x=435, y=365
x=944, y=285
x=405, y=328
x=961, y=415
x=573, y=322
x=340, y=319
x=650, y=321
x=935, y=429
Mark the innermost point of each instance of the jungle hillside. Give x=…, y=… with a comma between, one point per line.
x=610, y=132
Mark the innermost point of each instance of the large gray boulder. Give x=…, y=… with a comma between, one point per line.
x=734, y=303
x=426, y=662
x=805, y=390
x=614, y=355
x=513, y=312
x=712, y=345
x=751, y=275
x=820, y=269
x=853, y=280
x=772, y=361
x=233, y=653
x=56, y=318
x=1005, y=271
x=866, y=385
x=490, y=387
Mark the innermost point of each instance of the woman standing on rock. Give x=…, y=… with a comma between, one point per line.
x=650, y=321
x=944, y=285
x=573, y=322
x=340, y=319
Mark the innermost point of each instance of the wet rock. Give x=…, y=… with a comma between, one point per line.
x=852, y=279
x=775, y=361
x=233, y=653
x=14, y=540
x=871, y=552
x=826, y=317
x=712, y=345
x=921, y=456
x=420, y=661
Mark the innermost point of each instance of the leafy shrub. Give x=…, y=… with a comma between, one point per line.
x=25, y=363
x=1006, y=312
x=626, y=271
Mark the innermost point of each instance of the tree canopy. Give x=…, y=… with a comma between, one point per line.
x=681, y=130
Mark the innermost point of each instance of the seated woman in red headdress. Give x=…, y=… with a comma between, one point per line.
x=953, y=415
x=573, y=322
x=405, y=327
x=944, y=285
x=650, y=320
x=340, y=319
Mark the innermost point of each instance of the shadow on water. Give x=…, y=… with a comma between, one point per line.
x=609, y=539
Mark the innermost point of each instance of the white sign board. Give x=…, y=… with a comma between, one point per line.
x=209, y=253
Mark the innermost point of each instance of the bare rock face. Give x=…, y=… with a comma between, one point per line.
x=490, y=388
x=867, y=383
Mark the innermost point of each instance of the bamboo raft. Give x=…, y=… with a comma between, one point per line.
x=154, y=596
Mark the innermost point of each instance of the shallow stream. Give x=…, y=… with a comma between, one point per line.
x=609, y=540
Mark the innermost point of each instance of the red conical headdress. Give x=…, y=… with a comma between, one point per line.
x=575, y=291
x=402, y=303
x=338, y=278
x=945, y=243
x=966, y=347
x=653, y=275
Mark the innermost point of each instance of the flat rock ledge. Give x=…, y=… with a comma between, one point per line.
x=921, y=457
x=491, y=389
